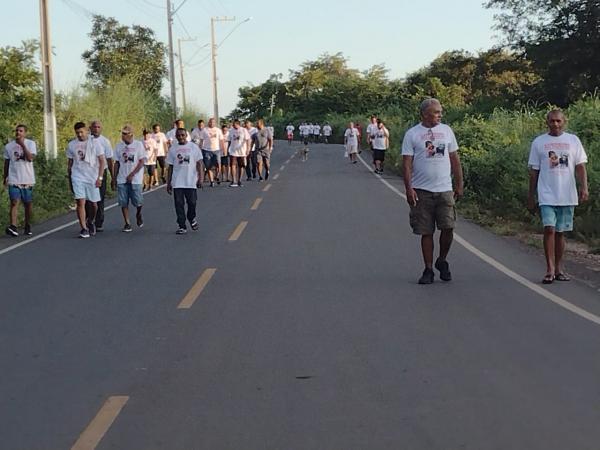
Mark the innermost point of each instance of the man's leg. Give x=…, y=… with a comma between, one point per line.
x=89, y=214
x=28, y=213
x=125, y=212
x=100, y=214
x=549, y=250
x=14, y=205
x=253, y=158
x=267, y=166
x=179, y=198
x=559, y=250
x=427, y=250
x=191, y=196
x=82, y=207
x=446, y=237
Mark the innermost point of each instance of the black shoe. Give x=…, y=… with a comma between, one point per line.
x=99, y=228
x=12, y=230
x=248, y=179
x=427, y=277
x=181, y=230
x=27, y=230
x=444, y=269
x=92, y=229
x=266, y=175
x=240, y=184
x=194, y=225
x=127, y=228
x=218, y=181
x=139, y=220
x=84, y=234
x=212, y=184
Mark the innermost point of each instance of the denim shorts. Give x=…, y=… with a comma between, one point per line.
x=87, y=191
x=558, y=217
x=25, y=194
x=130, y=192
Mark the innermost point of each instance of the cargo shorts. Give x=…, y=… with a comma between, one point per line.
x=433, y=209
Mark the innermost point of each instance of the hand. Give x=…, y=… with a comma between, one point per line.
x=169, y=189
x=20, y=141
x=129, y=178
x=458, y=192
x=113, y=184
x=411, y=197
x=98, y=182
x=584, y=195
x=199, y=185
x=531, y=206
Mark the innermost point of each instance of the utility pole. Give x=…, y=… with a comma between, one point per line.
x=170, y=13
x=214, y=62
x=179, y=41
x=49, y=110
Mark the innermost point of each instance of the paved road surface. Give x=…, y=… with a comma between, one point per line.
x=311, y=334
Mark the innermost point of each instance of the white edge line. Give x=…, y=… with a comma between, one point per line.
x=505, y=270
x=61, y=227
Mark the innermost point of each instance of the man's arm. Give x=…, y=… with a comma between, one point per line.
x=200, y=171
x=69, y=169
x=115, y=173
x=533, y=182
x=169, y=177
x=5, y=176
x=581, y=174
x=136, y=169
x=407, y=166
x=26, y=153
x=101, y=166
x=457, y=174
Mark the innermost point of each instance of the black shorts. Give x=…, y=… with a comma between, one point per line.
x=378, y=155
x=240, y=161
x=224, y=160
x=161, y=161
x=150, y=168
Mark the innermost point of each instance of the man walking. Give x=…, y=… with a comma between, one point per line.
x=251, y=161
x=290, y=133
x=431, y=161
x=264, y=146
x=163, y=148
x=555, y=160
x=211, y=143
x=96, y=132
x=327, y=132
x=129, y=176
x=351, y=142
x=238, y=142
x=380, y=142
x=184, y=177
x=85, y=169
x=19, y=177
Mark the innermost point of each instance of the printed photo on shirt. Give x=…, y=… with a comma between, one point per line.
x=183, y=159
x=556, y=161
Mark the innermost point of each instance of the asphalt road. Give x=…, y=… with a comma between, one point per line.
x=312, y=333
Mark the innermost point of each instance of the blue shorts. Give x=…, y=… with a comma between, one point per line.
x=211, y=159
x=87, y=191
x=25, y=194
x=558, y=217
x=130, y=192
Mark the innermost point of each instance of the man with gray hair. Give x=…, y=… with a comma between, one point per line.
x=96, y=133
x=431, y=162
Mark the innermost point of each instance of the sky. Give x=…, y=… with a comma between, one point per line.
x=401, y=34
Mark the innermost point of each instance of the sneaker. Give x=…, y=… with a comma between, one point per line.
x=444, y=269
x=260, y=180
x=92, y=229
x=212, y=184
x=376, y=171
x=127, y=228
x=233, y=185
x=194, y=225
x=218, y=181
x=240, y=184
x=27, y=230
x=181, y=230
x=84, y=234
x=248, y=179
x=266, y=175
x=427, y=277
x=139, y=220
x=12, y=230
x=99, y=228
x=354, y=162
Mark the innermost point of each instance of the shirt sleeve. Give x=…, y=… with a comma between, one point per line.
x=6, y=152
x=580, y=155
x=32, y=148
x=142, y=152
x=69, y=151
x=407, y=147
x=534, y=158
x=170, y=156
x=452, y=145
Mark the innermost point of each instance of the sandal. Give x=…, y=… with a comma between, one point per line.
x=548, y=279
x=561, y=277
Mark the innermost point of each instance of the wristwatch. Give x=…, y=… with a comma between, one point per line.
x=101, y=178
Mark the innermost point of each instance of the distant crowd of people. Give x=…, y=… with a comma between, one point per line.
x=184, y=161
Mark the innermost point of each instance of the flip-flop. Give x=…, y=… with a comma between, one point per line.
x=548, y=279
x=561, y=277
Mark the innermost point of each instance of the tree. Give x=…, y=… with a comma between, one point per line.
x=120, y=51
x=560, y=37
x=20, y=90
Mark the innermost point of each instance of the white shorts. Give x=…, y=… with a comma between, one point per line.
x=351, y=148
x=87, y=191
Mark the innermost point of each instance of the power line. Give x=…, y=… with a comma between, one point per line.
x=153, y=5
x=183, y=26
x=79, y=9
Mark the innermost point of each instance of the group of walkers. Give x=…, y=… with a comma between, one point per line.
x=184, y=161
x=310, y=132
x=432, y=174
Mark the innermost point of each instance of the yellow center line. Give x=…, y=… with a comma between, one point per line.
x=196, y=289
x=256, y=204
x=97, y=428
x=267, y=187
x=238, y=231
x=276, y=176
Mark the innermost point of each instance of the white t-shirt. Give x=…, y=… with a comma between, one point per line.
x=196, y=135
x=82, y=171
x=431, y=148
x=160, y=139
x=128, y=156
x=151, y=147
x=317, y=129
x=106, y=146
x=290, y=129
x=351, y=135
x=237, y=141
x=327, y=130
x=183, y=160
x=251, y=132
x=211, y=139
x=20, y=171
x=379, y=141
x=556, y=157
x=371, y=130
